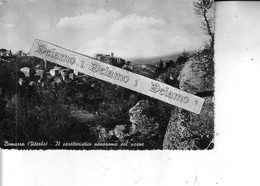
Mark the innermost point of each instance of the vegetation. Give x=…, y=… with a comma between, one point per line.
x=205, y=10
x=35, y=113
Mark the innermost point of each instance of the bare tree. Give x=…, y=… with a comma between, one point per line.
x=205, y=9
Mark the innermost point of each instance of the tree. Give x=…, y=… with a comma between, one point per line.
x=182, y=58
x=160, y=68
x=205, y=9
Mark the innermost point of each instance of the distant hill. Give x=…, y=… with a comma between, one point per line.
x=152, y=60
x=155, y=60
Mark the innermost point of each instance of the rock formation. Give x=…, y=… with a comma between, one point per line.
x=141, y=123
x=143, y=128
x=187, y=130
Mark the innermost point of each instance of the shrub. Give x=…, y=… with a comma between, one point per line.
x=30, y=121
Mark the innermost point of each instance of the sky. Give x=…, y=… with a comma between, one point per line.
x=129, y=28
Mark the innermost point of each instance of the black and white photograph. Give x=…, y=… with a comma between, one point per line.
x=107, y=74
x=114, y=122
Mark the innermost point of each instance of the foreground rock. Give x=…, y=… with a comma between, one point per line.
x=145, y=127
x=141, y=122
x=187, y=130
x=197, y=74
x=119, y=133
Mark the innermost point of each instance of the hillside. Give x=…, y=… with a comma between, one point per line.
x=66, y=107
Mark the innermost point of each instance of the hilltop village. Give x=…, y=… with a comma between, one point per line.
x=40, y=70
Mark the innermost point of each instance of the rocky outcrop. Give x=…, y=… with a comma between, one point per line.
x=140, y=120
x=187, y=130
x=143, y=126
x=197, y=74
x=119, y=133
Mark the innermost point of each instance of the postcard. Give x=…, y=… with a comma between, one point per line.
x=107, y=75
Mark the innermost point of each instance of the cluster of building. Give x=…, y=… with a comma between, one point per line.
x=144, y=69
x=110, y=59
x=115, y=61
x=40, y=73
x=57, y=74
